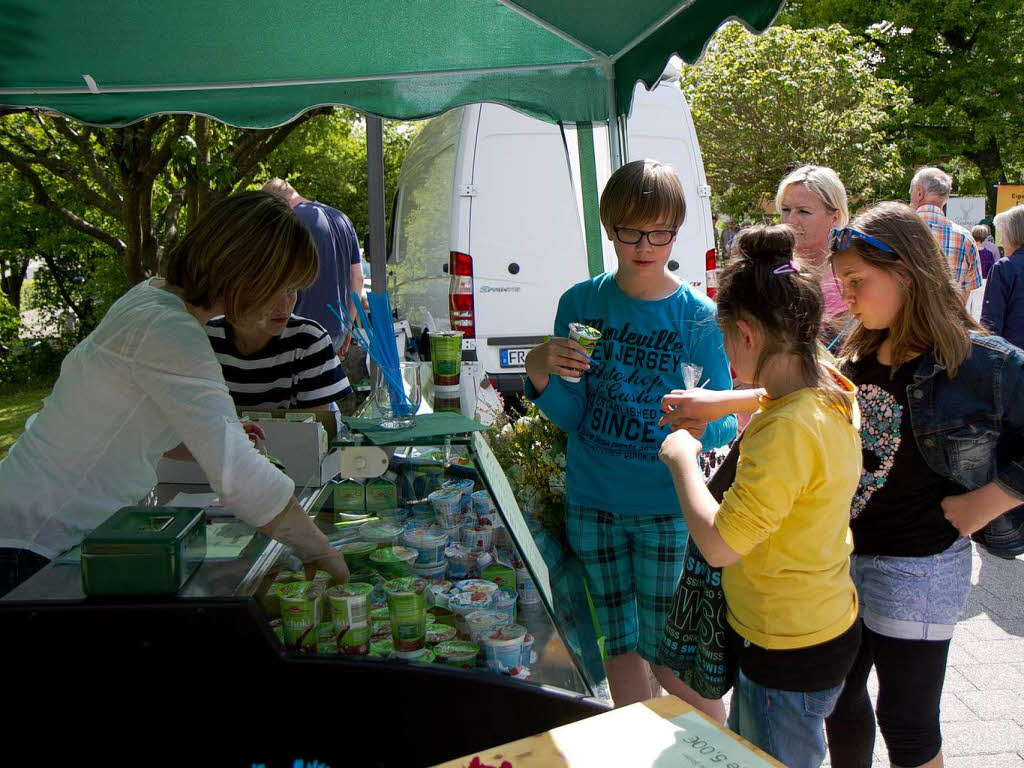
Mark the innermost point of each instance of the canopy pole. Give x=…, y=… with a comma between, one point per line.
x=614, y=140
x=375, y=202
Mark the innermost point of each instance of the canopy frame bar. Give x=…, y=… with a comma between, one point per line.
x=81, y=89
x=538, y=21
x=665, y=19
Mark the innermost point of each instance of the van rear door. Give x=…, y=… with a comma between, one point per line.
x=525, y=239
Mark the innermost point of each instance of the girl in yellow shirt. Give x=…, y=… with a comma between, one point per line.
x=781, y=533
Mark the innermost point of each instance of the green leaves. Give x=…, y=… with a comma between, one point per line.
x=763, y=105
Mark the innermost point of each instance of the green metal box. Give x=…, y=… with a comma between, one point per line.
x=144, y=551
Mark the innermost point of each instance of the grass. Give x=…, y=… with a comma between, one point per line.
x=15, y=407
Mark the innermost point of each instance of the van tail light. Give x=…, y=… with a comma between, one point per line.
x=460, y=294
x=711, y=273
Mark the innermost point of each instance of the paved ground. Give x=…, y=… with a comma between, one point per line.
x=983, y=698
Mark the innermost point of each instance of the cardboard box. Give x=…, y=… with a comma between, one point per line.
x=301, y=447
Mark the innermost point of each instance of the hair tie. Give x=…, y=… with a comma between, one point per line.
x=789, y=268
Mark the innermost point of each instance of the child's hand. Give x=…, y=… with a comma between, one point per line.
x=691, y=409
x=679, y=446
x=558, y=356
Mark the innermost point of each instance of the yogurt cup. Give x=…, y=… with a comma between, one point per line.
x=380, y=532
x=465, y=562
x=482, y=504
x=478, y=536
x=416, y=655
x=278, y=629
x=393, y=562
x=587, y=338
x=408, y=606
x=350, y=605
x=479, y=622
x=462, y=604
x=383, y=647
x=300, y=613
x=527, y=658
x=447, y=505
x=357, y=554
x=326, y=639
x=505, y=601
x=429, y=544
x=440, y=633
x=503, y=647
x=355, y=641
x=527, y=589
x=438, y=594
x=435, y=574
x=457, y=653
x=465, y=488
x=476, y=585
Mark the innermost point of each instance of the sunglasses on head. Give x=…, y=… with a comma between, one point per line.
x=840, y=239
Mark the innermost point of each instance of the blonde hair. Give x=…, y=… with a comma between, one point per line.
x=642, y=191
x=244, y=251
x=825, y=183
x=932, y=315
x=786, y=305
x=1010, y=224
x=979, y=232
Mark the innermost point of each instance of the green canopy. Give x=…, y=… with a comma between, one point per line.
x=259, y=63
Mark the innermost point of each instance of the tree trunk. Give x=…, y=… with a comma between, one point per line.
x=12, y=278
x=990, y=164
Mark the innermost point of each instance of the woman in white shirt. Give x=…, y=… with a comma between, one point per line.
x=146, y=380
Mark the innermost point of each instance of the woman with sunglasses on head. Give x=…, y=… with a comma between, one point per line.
x=942, y=417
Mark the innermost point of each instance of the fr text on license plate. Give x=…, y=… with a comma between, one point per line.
x=512, y=357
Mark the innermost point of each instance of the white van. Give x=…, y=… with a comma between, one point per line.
x=486, y=229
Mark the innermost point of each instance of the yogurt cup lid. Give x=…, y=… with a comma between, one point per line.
x=393, y=554
x=456, y=650
x=440, y=633
x=406, y=584
x=444, y=494
x=296, y=590
x=460, y=484
x=380, y=529
x=487, y=618
x=475, y=585
x=484, y=494
x=426, y=537
x=585, y=331
x=352, y=589
x=357, y=547
x=380, y=614
x=504, y=633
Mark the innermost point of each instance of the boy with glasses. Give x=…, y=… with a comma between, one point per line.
x=622, y=516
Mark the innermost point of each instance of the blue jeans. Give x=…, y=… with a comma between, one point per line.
x=788, y=725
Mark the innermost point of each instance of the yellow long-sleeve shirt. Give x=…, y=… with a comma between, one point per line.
x=787, y=515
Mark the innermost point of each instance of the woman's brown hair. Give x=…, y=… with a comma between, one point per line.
x=244, y=252
x=762, y=286
x=932, y=315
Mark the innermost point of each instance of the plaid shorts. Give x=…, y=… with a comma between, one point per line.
x=632, y=561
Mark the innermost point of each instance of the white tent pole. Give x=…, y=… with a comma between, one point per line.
x=613, y=119
x=99, y=88
x=552, y=29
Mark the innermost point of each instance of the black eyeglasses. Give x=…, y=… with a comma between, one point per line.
x=840, y=239
x=633, y=236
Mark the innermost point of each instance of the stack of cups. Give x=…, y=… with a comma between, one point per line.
x=446, y=365
x=447, y=505
x=483, y=507
x=528, y=593
x=503, y=647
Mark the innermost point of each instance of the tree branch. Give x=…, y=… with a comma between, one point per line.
x=43, y=199
x=82, y=141
x=258, y=151
x=158, y=161
x=61, y=283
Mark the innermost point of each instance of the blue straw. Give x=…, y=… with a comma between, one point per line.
x=841, y=334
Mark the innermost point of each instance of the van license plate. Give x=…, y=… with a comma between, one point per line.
x=513, y=357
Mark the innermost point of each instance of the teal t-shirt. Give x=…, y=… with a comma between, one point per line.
x=611, y=415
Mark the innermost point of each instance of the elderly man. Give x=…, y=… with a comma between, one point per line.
x=341, y=269
x=929, y=192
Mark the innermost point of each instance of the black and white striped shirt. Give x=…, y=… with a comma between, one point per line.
x=298, y=369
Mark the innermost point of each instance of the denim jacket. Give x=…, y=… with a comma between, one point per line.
x=971, y=428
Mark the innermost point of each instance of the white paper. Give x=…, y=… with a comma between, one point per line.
x=639, y=738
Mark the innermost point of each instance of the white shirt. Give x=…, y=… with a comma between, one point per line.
x=145, y=380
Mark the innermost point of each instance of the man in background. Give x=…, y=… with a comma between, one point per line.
x=341, y=269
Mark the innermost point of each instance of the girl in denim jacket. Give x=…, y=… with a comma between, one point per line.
x=942, y=429
x=937, y=398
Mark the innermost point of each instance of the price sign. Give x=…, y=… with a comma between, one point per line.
x=702, y=745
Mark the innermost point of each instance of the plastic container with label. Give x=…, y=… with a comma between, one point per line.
x=447, y=505
x=429, y=544
x=435, y=574
x=503, y=647
x=393, y=562
x=380, y=532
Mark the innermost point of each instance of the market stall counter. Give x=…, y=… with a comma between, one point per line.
x=469, y=640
